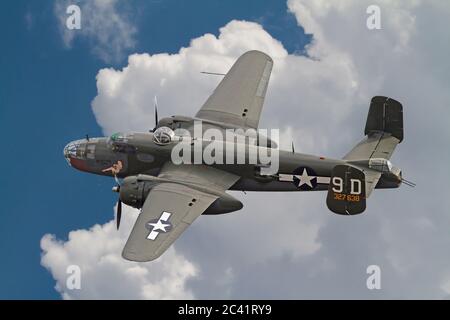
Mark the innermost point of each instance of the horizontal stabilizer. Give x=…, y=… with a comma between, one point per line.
x=347, y=190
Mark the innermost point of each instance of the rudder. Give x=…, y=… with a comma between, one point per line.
x=386, y=115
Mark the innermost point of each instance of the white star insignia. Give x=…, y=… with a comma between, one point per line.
x=305, y=179
x=159, y=226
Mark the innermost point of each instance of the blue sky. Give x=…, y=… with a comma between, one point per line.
x=318, y=99
x=45, y=96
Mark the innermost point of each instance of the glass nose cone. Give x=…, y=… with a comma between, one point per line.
x=70, y=151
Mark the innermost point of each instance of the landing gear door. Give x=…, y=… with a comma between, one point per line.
x=347, y=190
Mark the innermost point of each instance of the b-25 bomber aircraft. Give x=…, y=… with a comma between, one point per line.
x=171, y=196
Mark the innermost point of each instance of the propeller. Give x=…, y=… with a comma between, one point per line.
x=156, y=114
x=119, y=213
x=119, y=205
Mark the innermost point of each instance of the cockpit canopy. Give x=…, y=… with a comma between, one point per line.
x=163, y=135
x=118, y=137
x=119, y=142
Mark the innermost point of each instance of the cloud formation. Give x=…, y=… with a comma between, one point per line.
x=106, y=26
x=291, y=246
x=105, y=275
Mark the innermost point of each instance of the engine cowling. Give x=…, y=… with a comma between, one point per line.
x=133, y=192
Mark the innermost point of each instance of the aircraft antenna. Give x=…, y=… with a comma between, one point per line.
x=213, y=73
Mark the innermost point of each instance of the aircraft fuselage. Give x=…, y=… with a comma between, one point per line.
x=137, y=153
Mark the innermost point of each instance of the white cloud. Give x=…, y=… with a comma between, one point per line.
x=105, y=275
x=289, y=245
x=105, y=25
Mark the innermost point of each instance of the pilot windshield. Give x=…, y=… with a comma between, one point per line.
x=163, y=135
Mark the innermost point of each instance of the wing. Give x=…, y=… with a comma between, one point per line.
x=171, y=207
x=175, y=206
x=239, y=98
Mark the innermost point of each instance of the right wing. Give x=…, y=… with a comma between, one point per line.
x=172, y=206
x=168, y=210
x=239, y=97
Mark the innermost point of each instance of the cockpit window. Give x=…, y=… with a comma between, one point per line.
x=118, y=137
x=163, y=135
x=119, y=142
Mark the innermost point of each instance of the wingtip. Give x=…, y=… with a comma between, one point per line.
x=134, y=257
x=258, y=53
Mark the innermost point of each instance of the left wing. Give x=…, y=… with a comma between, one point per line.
x=239, y=97
x=171, y=207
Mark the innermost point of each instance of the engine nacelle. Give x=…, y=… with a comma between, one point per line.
x=224, y=204
x=133, y=192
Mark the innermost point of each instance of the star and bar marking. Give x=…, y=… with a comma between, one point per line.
x=159, y=225
x=304, y=178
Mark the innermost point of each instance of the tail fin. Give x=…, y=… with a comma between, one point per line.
x=369, y=159
x=386, y=115
x=347, y=190
x=384, y=130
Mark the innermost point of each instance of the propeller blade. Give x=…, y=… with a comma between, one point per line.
x=156, y=112
x=119, y=213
